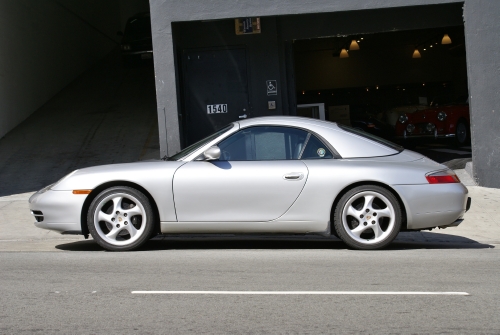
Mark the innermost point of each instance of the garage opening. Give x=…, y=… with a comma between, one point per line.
x=406, y=86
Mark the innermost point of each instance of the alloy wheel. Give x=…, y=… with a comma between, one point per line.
x=368, y=217
x=120, y=219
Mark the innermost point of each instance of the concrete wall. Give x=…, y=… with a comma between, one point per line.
x=47, y=44
x=482, y=27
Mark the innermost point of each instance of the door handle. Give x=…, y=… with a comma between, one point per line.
x=244, y=116
x=293, y=176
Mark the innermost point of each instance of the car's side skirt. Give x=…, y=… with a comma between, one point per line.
x=294, y=227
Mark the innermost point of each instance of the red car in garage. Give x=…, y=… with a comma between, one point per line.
x=445, y=121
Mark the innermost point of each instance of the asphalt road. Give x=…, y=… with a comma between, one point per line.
x=84, y=290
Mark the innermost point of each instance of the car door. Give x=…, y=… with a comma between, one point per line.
x=257, y=178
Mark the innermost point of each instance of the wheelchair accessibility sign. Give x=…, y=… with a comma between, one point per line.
x=272, y=88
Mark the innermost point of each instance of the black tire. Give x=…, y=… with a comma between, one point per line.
x=357, y=198
x=462, y=134
x=116, y=231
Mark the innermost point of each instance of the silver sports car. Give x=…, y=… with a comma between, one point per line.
x=270, y=175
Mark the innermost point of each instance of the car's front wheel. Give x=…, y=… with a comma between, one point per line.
x=368, y=217
x=120, y=219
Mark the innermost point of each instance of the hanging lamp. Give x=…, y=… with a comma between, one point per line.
x=354, y=45
x=446, y=39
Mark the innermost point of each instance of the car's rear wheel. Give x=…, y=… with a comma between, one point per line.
x=120, y=219
x=368, y=217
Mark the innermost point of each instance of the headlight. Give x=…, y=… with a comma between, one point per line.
x=441, y=116
x=51, y=186
x=403, y=118
x=410, y=128
x=126, y=47
x=430, y=127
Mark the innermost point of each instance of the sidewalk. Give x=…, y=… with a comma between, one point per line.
x=17, y=231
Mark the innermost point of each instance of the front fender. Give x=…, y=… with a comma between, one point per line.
x=155, y=177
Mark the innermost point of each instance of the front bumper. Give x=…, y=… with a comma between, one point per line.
x=59, y=211
x=407, y=136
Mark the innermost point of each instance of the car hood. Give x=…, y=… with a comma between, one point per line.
x=137, y=172
x=423, y=115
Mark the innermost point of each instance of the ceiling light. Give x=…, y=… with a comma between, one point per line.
x=344, y=54
x=446, y=39
x=354, y=45
x=416, y=54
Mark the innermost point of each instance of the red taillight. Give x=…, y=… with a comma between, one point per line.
x=442, y=177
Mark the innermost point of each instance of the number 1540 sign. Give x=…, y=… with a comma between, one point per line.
x=216, y=109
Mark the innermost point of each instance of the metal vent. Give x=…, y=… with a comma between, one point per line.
x=38, y=215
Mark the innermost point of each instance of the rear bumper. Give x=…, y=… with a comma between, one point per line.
x=459, y=221
x=453, y=224
x=433, y=205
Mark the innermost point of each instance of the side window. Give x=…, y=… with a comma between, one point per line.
x=263, y=143
x=315, y=149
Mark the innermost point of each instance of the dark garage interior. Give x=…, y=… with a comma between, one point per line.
x=369, y=81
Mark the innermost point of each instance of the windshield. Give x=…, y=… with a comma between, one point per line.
x=371, y=137
x=193, y=147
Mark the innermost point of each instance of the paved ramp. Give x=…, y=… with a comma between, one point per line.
x=108, y=115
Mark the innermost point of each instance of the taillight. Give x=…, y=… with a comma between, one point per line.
x=442, y=177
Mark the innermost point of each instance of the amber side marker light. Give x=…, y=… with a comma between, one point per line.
x=442, y=177
x=82, y=191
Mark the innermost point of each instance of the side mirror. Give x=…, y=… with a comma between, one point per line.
x=212, y=153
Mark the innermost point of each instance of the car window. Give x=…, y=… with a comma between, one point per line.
x=371, y=137
x=199, y=144
x=315, y=149
x=263, y=143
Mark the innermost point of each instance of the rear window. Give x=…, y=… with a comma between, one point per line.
x=371, y=137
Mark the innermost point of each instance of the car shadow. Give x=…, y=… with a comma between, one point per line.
x=405, y=241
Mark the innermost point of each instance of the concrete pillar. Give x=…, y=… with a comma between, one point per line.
x=166, y=93
x=482, y=37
